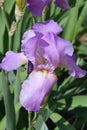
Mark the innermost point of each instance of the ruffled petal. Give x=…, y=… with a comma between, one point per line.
x=28, y=35
x=35, y=88
x=13, y=60
x=64, y=47
x=57, y=48
x=62, y=4
x=50, y=52
x=37, y=6
x=47, y=26
x=74, y=70
x=30, y=44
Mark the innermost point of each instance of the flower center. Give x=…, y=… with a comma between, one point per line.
x=44, y=71
x=40, y=58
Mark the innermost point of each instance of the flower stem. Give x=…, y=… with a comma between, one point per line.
x=30, y=121
x=10, y=42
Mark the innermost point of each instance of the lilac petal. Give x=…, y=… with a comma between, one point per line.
x=50, y=52
x=29, y=44
x=74, y=70
x=62, y=4
x=57, y=48
x=37, y=6
x=28, y=35
x=47, y=26
x=12, y=61
x=64, y=47
x=35, y=88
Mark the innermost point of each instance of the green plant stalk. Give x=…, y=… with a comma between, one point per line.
x=9, y=105
x=30, y=120
x=17, y=87
x=10, y=42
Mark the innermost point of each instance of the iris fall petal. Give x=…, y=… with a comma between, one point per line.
x=35, y=88
x=74, y=70
x=13, y=60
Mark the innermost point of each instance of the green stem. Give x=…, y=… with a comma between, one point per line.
x=10, y=42
x=30, y=121
x=9, y=106
x=17, y=87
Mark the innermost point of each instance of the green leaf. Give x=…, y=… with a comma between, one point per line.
x=61, y=123
x=40, y=124
x=2, y=29
x=44, y=127
x=82, y=50
x=79, y=101
x=75, y=101
x=9, y=5
x=11, y=77
x=80, y=19
x=70, y=26
x=3, y=121
x=44, y=112
x=2, y=26
x=17, y=87
x=17, y=38
x=9, y=106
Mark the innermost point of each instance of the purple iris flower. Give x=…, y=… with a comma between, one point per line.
x=37, y=6
x=43, y=51
x=62, y=4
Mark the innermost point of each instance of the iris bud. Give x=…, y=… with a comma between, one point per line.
x=21, y=3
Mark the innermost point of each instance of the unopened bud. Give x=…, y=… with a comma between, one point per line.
x=21, y=3
x=1, y=4
x=18, y=13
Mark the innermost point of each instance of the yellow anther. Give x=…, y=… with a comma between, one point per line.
x=44, y=71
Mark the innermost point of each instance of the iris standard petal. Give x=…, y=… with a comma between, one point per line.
x=12, y=61
x=37, y=6
x=35, y=88
x=56, y=49
x=74, y=70
x=30, y=44
x=62, y=4
x=47, y=26
x=50, y=52
x=64, y=47
x=28, y=35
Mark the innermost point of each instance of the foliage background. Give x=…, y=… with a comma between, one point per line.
x=66, y=108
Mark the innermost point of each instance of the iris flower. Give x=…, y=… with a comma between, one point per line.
x=43, y=51
x=37, y=6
